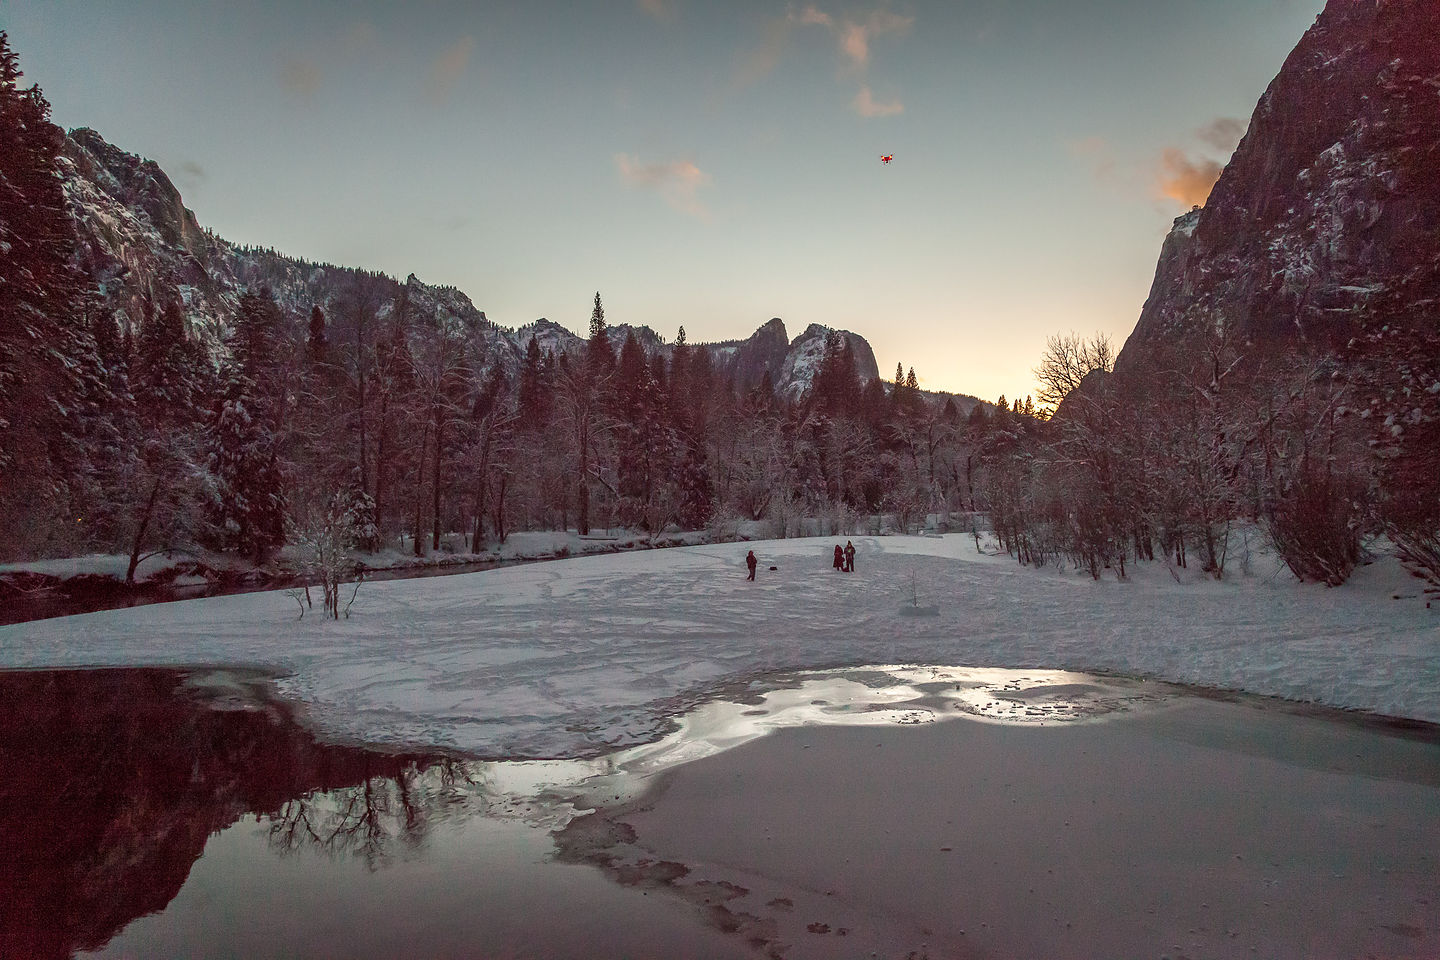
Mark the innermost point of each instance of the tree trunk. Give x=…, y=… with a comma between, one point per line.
x=139, y=540
x=360, y=378
x=582, y=522
x=435, y=474
x=420, y=489
x=381, y=453
x=499, y=522
x=480, y=497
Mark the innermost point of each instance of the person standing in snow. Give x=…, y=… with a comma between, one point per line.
x=751, y=562
x=849, y=556
x=839, y=558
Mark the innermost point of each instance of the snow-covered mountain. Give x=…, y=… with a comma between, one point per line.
x=1326, y=216
x=145, y=248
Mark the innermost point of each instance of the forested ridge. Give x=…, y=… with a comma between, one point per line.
x=146, y=410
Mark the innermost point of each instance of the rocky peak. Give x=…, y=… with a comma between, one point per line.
x=139, y=183
x=1330, y=202
x=144, y=248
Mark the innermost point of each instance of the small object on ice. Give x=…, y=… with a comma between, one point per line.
x=774, y=568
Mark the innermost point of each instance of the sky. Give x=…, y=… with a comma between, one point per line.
x=706, y=164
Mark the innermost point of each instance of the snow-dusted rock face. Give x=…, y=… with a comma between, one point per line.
x=145, y=248
x=1329, y=210
x=802, y=360
x=749, y=360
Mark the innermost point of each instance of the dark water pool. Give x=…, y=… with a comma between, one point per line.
x=157, y=813
x=185, y=813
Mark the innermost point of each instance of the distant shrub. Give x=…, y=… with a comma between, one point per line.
x=1316, y=524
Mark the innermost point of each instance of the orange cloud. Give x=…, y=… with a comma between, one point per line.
x=677, y=182
x=866, y=105
x=448, y=68
x=1185, y=180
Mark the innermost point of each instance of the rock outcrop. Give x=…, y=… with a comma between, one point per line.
x=1329, y=211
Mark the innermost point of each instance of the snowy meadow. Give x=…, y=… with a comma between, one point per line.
x=581, y=656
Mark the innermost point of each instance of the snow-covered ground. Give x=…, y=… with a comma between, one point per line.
x=576, y=656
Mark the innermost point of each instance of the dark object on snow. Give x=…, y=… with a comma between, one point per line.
x=839, y=558
x=751, y=562
x=774, y=568
x=849, y=556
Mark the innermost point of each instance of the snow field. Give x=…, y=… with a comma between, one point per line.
x=581, y=656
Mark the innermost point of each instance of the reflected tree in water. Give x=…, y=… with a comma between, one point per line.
x=369, y=819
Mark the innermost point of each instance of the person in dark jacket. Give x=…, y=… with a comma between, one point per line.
x=849, y=556
x=839, y=558
x=751, y=562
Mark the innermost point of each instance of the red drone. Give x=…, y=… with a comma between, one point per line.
x=887, y=158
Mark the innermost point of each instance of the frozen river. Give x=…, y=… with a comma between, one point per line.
x=887, y=811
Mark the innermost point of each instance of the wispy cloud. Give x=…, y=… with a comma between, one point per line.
x=192, y=171
x=811, y=15
x=677, y=182
x=762, y=59
x=1097, y=152
x=866, y=105
x=1184, y=179
x=1222, y=133
x=659, y=9
x=448, y=68
x=855, y=36
x=359, y=37
x=300, y=77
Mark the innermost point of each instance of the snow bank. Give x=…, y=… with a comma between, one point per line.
x=579, y=656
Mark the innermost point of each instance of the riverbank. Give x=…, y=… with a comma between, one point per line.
x=41, y=589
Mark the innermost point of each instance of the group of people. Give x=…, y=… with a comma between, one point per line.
x=844, y=559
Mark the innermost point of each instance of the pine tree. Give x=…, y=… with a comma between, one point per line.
x=317, y=344
x=258, y=346
x=42, y=338
x=534, y=395
x=251, y=507
x=599, y=355
x=631, y=378
x=168, y=380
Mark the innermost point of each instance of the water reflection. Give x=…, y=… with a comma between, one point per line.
x=185, y=813
x=114, y=780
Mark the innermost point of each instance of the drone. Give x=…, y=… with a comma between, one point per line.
x=887, y=158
